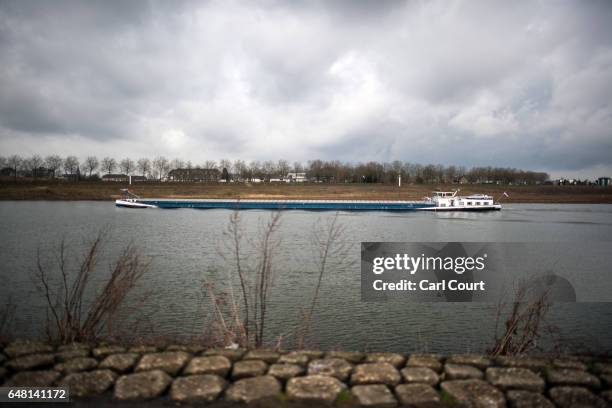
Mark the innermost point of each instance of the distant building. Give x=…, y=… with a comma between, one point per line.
x=117, y=178
x=570, y=182
x=7, y=171
x=70, y=176
x=194, y=175
x=295, y=177
x=40, y=172
x=138, y=179
x=604, y=181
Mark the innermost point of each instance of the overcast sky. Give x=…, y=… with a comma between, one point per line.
x=507, y=83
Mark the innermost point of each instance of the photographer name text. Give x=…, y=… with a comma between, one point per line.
x=414, y=264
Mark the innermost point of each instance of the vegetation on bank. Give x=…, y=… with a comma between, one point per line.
x=160, y=168
x=59, y=190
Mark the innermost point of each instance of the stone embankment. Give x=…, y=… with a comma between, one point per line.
x=195, y=375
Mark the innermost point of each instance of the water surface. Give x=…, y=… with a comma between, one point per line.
x=185, y=245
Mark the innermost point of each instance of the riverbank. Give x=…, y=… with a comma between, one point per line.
x=56, y=190
x=194, y=374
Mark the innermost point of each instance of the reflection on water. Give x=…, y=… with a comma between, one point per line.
x=184, y=247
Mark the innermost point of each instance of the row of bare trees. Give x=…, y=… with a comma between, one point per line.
x=389, y=172
x=53, y=165
x=332, y=171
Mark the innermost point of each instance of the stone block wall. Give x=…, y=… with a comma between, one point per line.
x=192, y=374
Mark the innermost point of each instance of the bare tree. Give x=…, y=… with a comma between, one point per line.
x=330, y=250
x=3, y=162
x=242, y=319
x=108, y=165
x=298, y=167
x=283, y=168
x=227, y=165
x=90, y=164
x=144, y=166
x=53, y=163
x=266, y=246
x=210, y=164
x=450, y=173
x=241, y=169
x=269, y=169
x=255, y=170
x=71, y=165
x=14, y=162
x=315, y=169
x=240, y=329
x=177, y=164
x=33, y=164
x=127, y=166
x=160, y=164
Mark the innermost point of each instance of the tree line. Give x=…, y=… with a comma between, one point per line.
x=331, y=171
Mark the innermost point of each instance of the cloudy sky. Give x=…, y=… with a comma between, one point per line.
x=509, y=83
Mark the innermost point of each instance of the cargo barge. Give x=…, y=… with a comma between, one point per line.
x=440, y=201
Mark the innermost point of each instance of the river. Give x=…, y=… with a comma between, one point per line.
x=184, y=248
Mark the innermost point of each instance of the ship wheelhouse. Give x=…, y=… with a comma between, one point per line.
x=450, y=200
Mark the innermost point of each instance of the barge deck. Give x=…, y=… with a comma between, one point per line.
x=234, y=204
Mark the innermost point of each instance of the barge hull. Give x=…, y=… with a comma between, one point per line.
x=313, y=205
x=495, y=207
x=442, y=201
x=288, y=205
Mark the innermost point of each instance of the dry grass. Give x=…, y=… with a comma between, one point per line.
x=54, y=190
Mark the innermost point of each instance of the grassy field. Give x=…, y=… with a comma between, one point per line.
x=55, y=190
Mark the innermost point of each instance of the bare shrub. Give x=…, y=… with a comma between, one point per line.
x=328, y=246
x=73, y=315
x=266, y=246
x=7, y=316
x=525, y=323
x=226, y=325
x=241, y=318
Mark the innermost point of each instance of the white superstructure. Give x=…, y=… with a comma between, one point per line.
x=130, y=200
x=450, y=201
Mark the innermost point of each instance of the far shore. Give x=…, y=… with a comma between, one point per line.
x=108, y=191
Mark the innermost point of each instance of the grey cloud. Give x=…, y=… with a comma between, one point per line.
x=521, y=84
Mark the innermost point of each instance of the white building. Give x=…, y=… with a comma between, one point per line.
x=295, y=177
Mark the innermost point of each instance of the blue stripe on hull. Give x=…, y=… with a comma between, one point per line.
x=272, y=205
